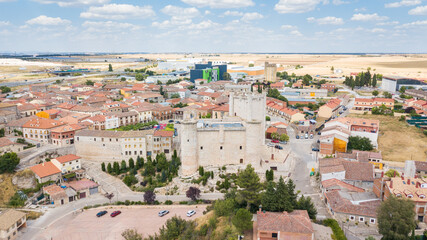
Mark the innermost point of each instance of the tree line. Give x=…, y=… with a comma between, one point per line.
x=363, y=79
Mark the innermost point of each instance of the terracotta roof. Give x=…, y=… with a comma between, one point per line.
x=333, y=182
x=42, y=123
x=45, y=169
x=421, y=166
x=4, y=141
x=82, y=184
x=271, y=130
x=9, y=217
x=223, y=108
x=414, y=190
x=27, y=107
x=339, y=203
x=67, y=128
x=67, y=158
x=360, y=171
x=163, y=133
x=294, y=222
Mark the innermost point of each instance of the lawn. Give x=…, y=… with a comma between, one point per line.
x=397, y=140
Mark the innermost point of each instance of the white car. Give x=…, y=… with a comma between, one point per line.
x=191, y=213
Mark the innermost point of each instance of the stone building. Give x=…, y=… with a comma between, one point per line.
x=109, y=146
x=270, y=72
x=234, y=139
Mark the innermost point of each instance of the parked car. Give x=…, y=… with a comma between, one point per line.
x=102, y=213
x=275, y=141
x=178, y=122
x=311, y=136
x=115, y=213
x=171, y=121
x=191, y=213
x=270, y=144
x=297, y=137
x=315, y=150
x=306, y=136
x=319, y=133
x=283, y=142
x=162, y=213
x=278, y=147
x=318, y=141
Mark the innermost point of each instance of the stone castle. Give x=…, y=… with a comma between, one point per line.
x=237, y=139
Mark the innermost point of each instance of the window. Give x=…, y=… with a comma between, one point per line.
x=352, y=218
x=201, y=148
x=220, y=147
x=241, y=147
x=361, y=219
x=274, y=235
x=77, y=138
x=241, y=160
x=372, y=220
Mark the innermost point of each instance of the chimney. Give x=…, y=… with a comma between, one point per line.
x=260, y=209
x=391, y=184
x=382, y=174
x=409, y=181
x=417, y=184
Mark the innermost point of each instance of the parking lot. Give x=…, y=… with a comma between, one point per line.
x=85, y=225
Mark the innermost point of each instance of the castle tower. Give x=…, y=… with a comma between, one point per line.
x=188, y=140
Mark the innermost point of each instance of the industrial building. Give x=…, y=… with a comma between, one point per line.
x=208, y=71
x=392, y=84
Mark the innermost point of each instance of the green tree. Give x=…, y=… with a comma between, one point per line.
x=284, y=138
x=224, y=207
x=131, y=163
x=392, y=173
x=176, y=228
x=396, y=218
x=16, y=200
x=306, y=80
x=110, y=67
x=250, y=185
x=374, y=80
x=242, y=220
x=269, y=175
x=103, y=167
x=332, y=68
x=130, y=180
x=226, y=76
x=402, y=89
x=149, y=197
x=359, y=143
x=122, y=79
x=139, y=77
x=109, y=168
x=131, y=234
x=251, y=65
x=5, y=89
x=123, y=166
x=375, y=93
x=387, y=95
x=269, y=198
x=285, y=195
x=193, y=193
x=8, y=162
x=116, y=168
x=2, y=132
x=290, y=186
x=90, y=82
x=305, y=203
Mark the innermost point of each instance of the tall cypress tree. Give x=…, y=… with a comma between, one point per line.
x=283, y=197
x=291, y=191
x=269, y=198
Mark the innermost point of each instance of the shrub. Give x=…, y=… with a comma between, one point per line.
x=168, y=202
x=338, y=233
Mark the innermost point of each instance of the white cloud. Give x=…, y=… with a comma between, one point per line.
x=251, y=16
x=421, y=10
x=233, y=13
x=368, y=17
x=387, y=23
x=207, y=12
x=326, y=20
x=4, y=23
x=378, y=30
x=108, y=26
x=68, y=3
x=402, y=3
x=413, y=24
x=203, y=25
x=296, y=33
x=48, y=21
x=296, y=6
x=360, y=9
x=118, y=11
x=180, y=12
x=288, y=27
x=220, y=3
x=339, y=2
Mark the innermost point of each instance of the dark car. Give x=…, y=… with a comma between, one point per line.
x=102, y=213
x=171, y=121
x=315, y=150
x=115, y=213
x=297, y=137
x=162, y=213
x=278, y=147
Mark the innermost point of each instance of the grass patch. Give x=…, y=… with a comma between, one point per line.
x=7, y=189
x=31, y=215
x=397, y=140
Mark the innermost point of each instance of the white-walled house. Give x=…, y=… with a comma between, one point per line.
x=67, y=163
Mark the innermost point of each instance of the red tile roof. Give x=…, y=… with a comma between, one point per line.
x=163, y=133
x=42, y=123
x=67, y=158
x=294, y=222
x=45, y=169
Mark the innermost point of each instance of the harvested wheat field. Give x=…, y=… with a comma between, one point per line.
x=399, y=141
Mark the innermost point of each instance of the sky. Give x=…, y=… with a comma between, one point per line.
x=208, y=26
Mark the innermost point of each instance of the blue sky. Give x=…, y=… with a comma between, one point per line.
x=214, y=26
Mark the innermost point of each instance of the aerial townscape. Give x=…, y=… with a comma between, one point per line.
x=208, y=127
